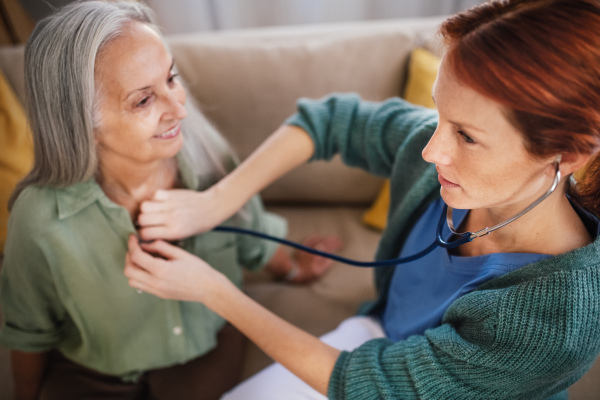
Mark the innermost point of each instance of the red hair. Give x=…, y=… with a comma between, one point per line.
x=540, y=59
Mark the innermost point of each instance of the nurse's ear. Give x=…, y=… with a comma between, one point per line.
x=571, y=162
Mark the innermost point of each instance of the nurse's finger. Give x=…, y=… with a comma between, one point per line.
x=139, y=257
x=164, y=249
x=157, y=203
x=152, y=219
x=156, y=232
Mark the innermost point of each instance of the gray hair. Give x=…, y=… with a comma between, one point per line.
x=61, y=98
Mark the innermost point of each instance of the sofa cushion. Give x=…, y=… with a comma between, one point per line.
x=247, y=83
x=259, y=76
x=12, y=65
x=319, y=307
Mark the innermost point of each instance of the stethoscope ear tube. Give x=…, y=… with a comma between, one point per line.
x=459, y=238
x=472, y=235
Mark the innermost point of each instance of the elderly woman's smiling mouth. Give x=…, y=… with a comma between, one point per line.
x=171, y=133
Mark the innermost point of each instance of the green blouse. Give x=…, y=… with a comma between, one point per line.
x=62, y=284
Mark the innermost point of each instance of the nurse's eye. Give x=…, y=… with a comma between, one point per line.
x=466, y=137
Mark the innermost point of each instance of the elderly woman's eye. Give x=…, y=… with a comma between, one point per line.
x=172, y=78
x=466, y=137
x=144, y=101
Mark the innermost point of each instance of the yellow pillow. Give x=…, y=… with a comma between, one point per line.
x=16, y=150
x=422, y=71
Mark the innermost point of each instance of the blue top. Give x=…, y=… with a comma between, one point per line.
x=528, y=334
x=422, y=290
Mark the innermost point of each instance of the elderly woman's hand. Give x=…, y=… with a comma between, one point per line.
x=179, y=213
x=301, y=267
x=169, y=272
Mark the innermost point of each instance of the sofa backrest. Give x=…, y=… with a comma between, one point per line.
x=247, y=83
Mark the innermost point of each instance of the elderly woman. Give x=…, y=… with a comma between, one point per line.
x=112, y=128
x=513, y=312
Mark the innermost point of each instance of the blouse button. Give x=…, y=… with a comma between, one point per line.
x=177, y=330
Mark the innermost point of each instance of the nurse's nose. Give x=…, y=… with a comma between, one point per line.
x=438, y=148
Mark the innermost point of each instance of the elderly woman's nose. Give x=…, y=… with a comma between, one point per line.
x=438, y=149
x=175, y=105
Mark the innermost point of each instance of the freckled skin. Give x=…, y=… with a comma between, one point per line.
x=493, y=171
x=483, y=166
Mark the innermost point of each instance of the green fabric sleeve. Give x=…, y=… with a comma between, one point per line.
x=367, y=135
x=33, y=313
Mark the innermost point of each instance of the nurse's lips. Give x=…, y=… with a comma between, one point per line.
x=446, y=183
x=171, y=133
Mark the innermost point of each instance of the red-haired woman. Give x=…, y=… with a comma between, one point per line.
x=509, y=314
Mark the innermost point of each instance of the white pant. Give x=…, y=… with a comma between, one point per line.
x=276, y=382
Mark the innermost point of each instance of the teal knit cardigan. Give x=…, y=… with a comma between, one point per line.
x=528, y=334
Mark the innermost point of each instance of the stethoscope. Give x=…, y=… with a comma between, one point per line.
x=456, y=239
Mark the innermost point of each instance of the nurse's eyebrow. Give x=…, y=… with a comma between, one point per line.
x=468, y=126
x=461, y=124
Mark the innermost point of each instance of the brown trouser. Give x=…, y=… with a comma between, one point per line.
x=203, y=378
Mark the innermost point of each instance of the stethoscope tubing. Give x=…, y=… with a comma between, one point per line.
x=458, y=239
x=384, y=263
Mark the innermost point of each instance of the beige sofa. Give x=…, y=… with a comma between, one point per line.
x=247, y=83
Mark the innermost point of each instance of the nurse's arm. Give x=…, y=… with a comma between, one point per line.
x=176, y=274
x=175, y=214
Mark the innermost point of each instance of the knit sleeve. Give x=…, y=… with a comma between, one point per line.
x=516, y=342
x=367, y=135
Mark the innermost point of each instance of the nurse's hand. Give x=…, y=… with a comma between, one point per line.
x=176, y=214
x=169, y=272
x=177, y=274
x=179, y=213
